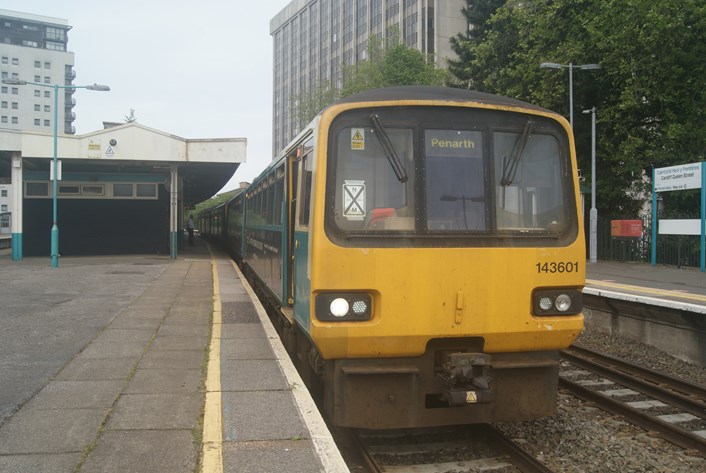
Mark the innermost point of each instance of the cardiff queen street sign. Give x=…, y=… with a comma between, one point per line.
x=677, y=178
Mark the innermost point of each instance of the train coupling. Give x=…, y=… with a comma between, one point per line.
x=467, y=377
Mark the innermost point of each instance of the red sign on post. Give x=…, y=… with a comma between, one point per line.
x=626, y=228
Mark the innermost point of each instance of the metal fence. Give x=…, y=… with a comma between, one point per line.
x=674, y=250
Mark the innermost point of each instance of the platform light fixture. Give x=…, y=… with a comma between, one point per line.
x=56, y=87
x=570, y=67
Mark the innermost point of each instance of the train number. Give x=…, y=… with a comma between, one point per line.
x=560, y=267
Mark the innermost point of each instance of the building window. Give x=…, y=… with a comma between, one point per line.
x=4, y=104
x=47, y=79
x=56, y=33
x=37, y=63
x=47, y=108
x=47, y=65
x=47, y=94
x=37, y=107
x=4, y=75
x=3, y=208
x=37, y=93
x=37, y=78
x=69, y=189
x=15, y=61
x=5, y=60
x=15, y=105
x=15, y=90
x=46, y=122
x=14, y=121
x=122, y=190
x=3, y=193
x=37, y=189
x=37, y=122
x=146, y=190
x=31, y=44
x=92, y=190
x=4, y=90
x=55, y=46
x=3, y=119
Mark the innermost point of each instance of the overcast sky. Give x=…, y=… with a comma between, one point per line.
x=195, y=69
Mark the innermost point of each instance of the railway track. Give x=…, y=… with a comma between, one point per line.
x=457, y=449
x=673, y=407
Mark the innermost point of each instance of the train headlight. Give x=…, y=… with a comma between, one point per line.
x=557, y=302
x=343, y=306
x=339, y=307
x=563, y=302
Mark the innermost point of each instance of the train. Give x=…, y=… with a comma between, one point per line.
x=421, y=253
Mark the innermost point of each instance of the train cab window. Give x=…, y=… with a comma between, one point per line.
x=369, y=194
x=528, y=183
x=455, y=180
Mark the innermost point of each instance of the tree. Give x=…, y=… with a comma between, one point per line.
x=477, y=13
x=650, y=94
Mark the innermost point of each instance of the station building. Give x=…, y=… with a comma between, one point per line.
x=120, y=190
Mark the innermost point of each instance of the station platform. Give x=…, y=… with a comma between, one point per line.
x=667, y=286
x=146, y=364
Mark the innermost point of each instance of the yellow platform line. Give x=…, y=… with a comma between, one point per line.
x=651, y=291
x=212, y=441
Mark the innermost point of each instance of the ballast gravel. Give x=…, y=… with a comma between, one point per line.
x=584, y=439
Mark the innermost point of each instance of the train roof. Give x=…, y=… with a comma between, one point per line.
x=449, y=94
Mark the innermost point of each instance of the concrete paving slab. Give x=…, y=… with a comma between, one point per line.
x=172, y=451
x=169, y=360
x=156, y=412
x=291, y=456
x=97, y=369
x=165, y=381
x=100, y=349
x=253, y=375
x=135, y=322
x=231, y=331
x=268, y=415
x=246, y=349
x=120, y=335
x=178, y=342
x=185, y=330
x=50, y=463
x=50, y=430
x=77, y=395
x=188, y=319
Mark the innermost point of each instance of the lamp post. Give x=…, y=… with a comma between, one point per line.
x=570, y=67
x=56, y=87
x=593, y=216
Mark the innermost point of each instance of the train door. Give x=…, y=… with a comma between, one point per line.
x=292, y=189
x=300, y=234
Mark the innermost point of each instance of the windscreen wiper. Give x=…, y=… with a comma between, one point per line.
x=390, y=152
x=510, y=166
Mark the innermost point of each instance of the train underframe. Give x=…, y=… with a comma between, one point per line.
x=452, y=383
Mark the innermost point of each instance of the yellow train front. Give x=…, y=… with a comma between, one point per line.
x=434, y=257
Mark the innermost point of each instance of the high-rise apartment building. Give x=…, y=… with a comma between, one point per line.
x=315, y=39
x=33, y=48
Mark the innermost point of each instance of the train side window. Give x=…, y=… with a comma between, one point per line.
x=279, y=192
x=305, y=191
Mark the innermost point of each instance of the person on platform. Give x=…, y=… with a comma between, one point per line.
x=190, y=229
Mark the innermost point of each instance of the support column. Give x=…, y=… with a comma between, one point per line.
x=17, y=205
x=173, y=210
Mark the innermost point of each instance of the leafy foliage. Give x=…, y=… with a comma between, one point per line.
x=650, y=94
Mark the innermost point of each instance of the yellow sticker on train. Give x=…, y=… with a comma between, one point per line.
x=358, y=139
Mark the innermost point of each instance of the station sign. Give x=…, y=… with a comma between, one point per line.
x=626, y=228
x=677, y=178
